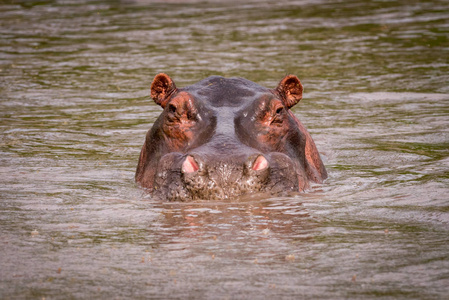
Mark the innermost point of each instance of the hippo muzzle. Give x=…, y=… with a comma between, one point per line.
x=194, y=176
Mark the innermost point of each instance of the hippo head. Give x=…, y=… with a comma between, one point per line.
x=225, y=137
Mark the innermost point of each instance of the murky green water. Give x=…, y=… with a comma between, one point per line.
x=75, y=107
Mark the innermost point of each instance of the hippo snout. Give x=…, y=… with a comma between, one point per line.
x=190, y=164
x=224, y=179
x=194, y=177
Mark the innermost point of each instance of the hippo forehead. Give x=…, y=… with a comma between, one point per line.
x=218, y=91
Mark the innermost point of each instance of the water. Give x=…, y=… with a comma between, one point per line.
x=75, y=107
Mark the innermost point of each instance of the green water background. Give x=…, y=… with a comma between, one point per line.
x=75, y=107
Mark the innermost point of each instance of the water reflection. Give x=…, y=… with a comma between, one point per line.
x=227, y=221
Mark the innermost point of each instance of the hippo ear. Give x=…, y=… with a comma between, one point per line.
x=290, y=89
x=162, y=88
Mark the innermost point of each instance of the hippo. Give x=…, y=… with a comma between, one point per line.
x=223, y=138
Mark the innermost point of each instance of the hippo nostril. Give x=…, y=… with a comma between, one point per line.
x=260, y=163
x=189, y=165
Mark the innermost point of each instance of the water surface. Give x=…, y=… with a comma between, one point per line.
x=75, y=107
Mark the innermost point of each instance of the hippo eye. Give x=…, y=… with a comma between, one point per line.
x=277, y=114
x=172, y=108
x=279, y=110
x=171, y=116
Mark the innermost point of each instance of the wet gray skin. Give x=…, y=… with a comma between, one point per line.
x=223, y=138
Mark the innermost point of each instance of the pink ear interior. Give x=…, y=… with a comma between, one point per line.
x=161, y=88
x=290, y=89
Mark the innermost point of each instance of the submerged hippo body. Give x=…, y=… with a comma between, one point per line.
x=226, y=137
